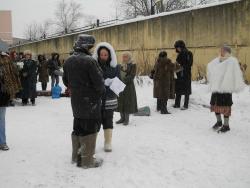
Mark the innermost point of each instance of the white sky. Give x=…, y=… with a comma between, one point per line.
x=26, y=11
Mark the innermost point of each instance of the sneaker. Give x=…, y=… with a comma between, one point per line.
x=4, y=147
x=217, y=125
x=224, y=129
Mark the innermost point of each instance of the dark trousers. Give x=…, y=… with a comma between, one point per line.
x=178, y=100
x=54, y=78
x=44, y=86
x=107, y=119
x=85, y=127
x=25, y=101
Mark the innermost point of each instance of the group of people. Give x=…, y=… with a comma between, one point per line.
x=94, y=101
x=172, y=80
x=28, y=70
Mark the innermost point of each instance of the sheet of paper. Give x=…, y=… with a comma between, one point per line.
x=117, y=86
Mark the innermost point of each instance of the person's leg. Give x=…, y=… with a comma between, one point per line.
x=24, y=101
x=121, y=120
x=33, y=101
x=177, y=101
x=126, y=119
x=52, y=81
x=225, y=126
x=44, y=86
x=57, y=80
x=108, y=130
x=186, y=101
x=3, y=145
x=164, y=106
x=218, y=124
x=158, y=107
x=86, y=131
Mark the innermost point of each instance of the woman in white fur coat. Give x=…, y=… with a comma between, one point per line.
x=224, y=77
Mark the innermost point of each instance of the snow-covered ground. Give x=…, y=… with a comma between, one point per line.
x=178, y=150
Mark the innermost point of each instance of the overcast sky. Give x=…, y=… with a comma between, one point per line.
x=27, y=11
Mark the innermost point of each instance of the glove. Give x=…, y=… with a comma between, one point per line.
x=108, y=82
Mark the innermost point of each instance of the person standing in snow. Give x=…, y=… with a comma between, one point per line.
x=127, y=101
x=83, y=76
x=164, y=84
x=43, y=71
x=54, y=64
x=184, y=77
x=9, y=86
x=105, y=56
x=225, y=77
x=29, y=79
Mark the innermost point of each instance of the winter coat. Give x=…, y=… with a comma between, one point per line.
x=225, y=76
x=43, y=72
x=127, y=101
x=29, y=79
x=164, y=83
x=83, y=77
x=184, y=77
x=54, y=64
x=110, y=70
x=9, y=82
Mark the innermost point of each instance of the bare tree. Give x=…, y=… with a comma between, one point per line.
x=67, y=15
x=134, y=8
x=171, y=5
x=44, y=28
x=32, y=31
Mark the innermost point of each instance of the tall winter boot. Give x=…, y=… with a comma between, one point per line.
x=86, y=152
x=75, y=147
x=108, y=140
x=126, y=119
x=120, y=120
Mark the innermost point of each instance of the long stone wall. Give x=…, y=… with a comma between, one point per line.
x=204, y=30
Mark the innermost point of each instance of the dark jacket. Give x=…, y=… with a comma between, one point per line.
x=83, y=77
x=109, y=96
x=164, y=82
x=54, y=64
x=184, y=77
x=43, y=71
x=29, y=79
x=127, y=101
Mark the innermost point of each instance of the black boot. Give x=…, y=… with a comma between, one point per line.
x=177, y=101
x=126, y=119
x=158, y=107
x=224, y=129
x=121, y=120
x=217, y=125
x=164, y=107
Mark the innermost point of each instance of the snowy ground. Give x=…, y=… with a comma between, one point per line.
x=178, y=150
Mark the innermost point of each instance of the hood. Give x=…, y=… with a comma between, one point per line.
x=113, y=62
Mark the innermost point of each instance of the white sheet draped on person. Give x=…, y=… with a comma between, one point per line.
x=115, y=84
x=225, y=76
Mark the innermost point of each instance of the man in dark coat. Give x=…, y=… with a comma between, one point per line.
x=83, y=77
x=164, y=84
x=127, y=101
x=184, y=77
x=29, y=79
